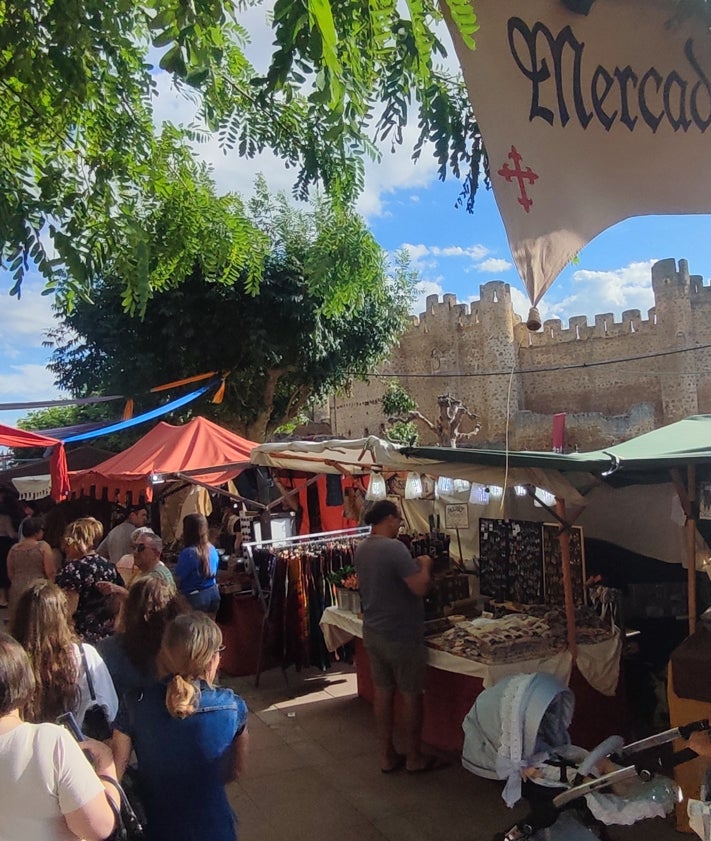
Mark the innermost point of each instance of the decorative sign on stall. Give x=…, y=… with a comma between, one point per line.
x=456, y=516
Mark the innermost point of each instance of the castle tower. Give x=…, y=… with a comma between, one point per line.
x=499, y=355
x=672, y=291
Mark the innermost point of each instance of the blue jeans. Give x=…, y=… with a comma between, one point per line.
x=207, y=600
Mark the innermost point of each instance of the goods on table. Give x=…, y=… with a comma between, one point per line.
x=521, y=636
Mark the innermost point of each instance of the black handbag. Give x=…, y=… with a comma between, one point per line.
x=96, y=724
x=128, y=827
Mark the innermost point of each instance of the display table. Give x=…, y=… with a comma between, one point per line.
x=453, y=683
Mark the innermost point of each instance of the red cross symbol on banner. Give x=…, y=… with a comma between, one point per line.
x=520, y=175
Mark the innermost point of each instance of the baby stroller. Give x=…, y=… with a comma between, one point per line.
x=517, y=731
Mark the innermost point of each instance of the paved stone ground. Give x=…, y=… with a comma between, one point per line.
x=314, y=773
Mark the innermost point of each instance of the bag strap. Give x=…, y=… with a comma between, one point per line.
x=89, y=681
x=126, y=819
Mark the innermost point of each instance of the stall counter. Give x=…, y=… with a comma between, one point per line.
x=453, y=683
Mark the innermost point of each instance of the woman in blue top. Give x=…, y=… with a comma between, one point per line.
x=197, y=566
x=190, y=738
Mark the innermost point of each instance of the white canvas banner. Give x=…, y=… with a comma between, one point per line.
x=588, y=120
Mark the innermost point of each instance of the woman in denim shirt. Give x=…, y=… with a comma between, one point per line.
x=190, y=738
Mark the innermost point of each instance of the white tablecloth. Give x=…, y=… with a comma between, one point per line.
x=599, y=663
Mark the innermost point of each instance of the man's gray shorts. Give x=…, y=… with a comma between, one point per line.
x=396, y=665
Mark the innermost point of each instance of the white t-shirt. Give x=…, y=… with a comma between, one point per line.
x=100, y=677
x=117, y=542
x=43, y=775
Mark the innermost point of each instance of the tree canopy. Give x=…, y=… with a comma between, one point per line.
x=77, y=139
x=289, y=343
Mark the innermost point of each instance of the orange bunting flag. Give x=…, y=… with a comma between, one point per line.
x=128, y=410
x=186, y=381
x=220, y=393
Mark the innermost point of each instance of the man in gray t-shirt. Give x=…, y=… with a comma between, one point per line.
x=392, y=584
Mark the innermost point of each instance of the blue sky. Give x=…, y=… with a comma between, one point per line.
x=407, y=207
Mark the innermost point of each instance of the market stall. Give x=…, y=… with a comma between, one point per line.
x=198, y=452
x=59, y=484
x=642, y=492
x=178, y=467
x=462, y=661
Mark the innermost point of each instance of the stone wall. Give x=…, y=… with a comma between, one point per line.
x=613, y=379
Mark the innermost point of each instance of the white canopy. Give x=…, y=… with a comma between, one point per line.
x=363, y=455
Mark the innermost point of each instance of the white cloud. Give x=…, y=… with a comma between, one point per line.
x=595, y=292
x=27, y=382
x=419, y=251
x=494, y=265
x=521, y=304
x=23, y=374
x=615, y=290
x=25, y=321
x=474, y=252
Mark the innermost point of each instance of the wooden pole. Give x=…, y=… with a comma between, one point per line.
x=564, y=538
x=459, y=546
x=687, y=497
x=691, y=546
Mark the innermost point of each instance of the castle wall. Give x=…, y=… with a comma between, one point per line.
x=613, y=378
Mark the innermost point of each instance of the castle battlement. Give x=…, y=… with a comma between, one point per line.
x=447, y=312
x=461, y=314
x=603, y=327
x=482, y=352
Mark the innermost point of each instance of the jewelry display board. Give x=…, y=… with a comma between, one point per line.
x=553, y=565
x=520, y=561
x=493, y=558
x=510, y=560
x=525, y=574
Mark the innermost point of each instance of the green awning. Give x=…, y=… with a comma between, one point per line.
x=574, y=462
x=644, y=459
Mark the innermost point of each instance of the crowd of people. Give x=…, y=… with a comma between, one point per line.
x=135, y=660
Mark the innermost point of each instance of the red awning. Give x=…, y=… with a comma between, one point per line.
x=10, y=437
x=204, y=450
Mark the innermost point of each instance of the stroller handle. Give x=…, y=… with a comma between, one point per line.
x=683, y=731
x=686, y=730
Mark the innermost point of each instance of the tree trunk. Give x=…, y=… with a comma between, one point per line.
x=257, y=429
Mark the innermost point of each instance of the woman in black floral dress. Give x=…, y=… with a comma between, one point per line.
x=93, y=612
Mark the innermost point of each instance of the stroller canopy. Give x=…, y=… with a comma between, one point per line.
x=515, y=724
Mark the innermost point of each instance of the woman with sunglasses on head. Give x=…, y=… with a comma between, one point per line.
x=190, y=737
x=92, y=611
x=197, y=566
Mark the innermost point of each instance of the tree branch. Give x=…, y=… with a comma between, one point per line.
x=413, y=416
